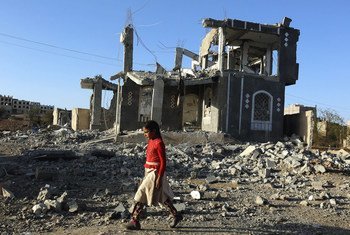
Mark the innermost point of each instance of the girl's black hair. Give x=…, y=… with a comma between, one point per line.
x=153, y=126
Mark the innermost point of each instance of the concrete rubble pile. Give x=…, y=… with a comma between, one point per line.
x=64, y=178
x=52, y=137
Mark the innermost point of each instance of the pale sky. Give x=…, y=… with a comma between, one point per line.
x=46, y=47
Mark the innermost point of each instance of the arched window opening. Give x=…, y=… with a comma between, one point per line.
x=262, y=111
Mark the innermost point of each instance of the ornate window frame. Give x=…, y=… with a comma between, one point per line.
x=261, y=125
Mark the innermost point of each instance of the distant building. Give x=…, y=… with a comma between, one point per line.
x=6, y=103
x=16, y=106
x=20, y=106
x=45, y=108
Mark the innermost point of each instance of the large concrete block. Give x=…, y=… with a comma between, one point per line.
x=80, y=119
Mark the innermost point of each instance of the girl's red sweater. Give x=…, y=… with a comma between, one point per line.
x=156, y=153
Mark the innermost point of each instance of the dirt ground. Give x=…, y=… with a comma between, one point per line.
x=223, y=209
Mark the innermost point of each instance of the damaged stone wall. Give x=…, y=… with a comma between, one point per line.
x=192, y=111
x=61, y=116
x=145, y=104
x=300, y=120
x=109, y=115
x=212, y=105
x=80, y=119
x=245, y=122
x=250, y=92
x=130, y=106
x=171, y=112
x=100, y=118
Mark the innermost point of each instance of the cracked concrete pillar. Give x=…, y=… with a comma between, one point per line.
x=96, y=105
x=268, y=61
x=178, y=58
x=244, y=61
x=127, y=38
x=231, y=59
x=221, y=49
x=118, y=109
x=157, y=100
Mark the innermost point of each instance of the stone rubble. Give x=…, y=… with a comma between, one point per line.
x=69, y=173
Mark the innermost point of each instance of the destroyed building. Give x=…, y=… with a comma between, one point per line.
x=98, y=117
x=236, y=84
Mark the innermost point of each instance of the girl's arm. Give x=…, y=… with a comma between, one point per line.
x=162, y=163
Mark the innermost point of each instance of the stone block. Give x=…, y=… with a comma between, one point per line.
x=304, y=203
x=270, y=164
x=320, y=168
x=180, y=206
x=333, y=202
x=249, y=150
x=232, y=170
x=255, y=154
x=120, y=208
x=196, y=195
x=260, y=201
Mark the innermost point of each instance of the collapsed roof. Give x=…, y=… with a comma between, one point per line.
x=241, y=46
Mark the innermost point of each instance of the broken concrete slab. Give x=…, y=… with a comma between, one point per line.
x=270, y=164
x=249, y=150
x=180, y=207
x=120, y=208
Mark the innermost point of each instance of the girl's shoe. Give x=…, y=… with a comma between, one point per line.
x=133, y=225
x=176, y=219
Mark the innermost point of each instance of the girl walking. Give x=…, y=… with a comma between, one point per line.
x=154, y=188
